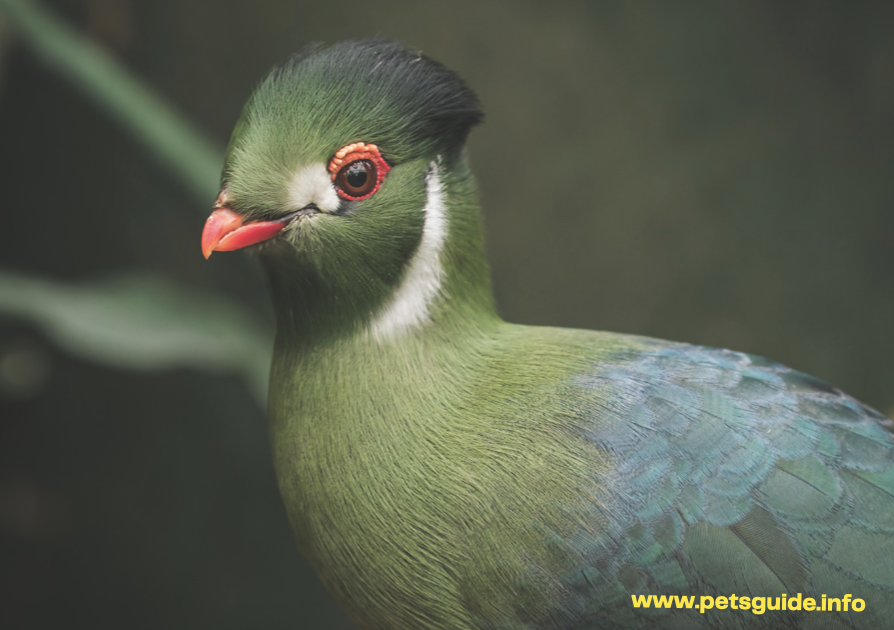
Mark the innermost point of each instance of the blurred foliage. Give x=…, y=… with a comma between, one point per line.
x=143, y=322
x=176, y=144
x=705, y=172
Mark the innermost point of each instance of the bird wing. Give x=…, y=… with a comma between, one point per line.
x=734, y=475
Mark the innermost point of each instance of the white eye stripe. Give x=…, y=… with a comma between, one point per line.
x=408, y=308
x=312, y=184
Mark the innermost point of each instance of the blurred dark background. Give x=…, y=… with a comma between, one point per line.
x=716, y=173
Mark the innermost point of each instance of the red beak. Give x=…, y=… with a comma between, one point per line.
x=225, y=230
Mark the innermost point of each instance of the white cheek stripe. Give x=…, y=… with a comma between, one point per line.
x=312, y=184
x=408, y=308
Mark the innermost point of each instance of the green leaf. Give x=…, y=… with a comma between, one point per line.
x=140, y=321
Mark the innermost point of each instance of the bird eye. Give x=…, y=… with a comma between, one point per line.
x=358, y=170
x=357, y=178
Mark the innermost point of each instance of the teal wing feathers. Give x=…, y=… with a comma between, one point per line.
x=733, y=475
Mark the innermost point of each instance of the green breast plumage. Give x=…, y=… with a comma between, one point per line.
x=543, y=493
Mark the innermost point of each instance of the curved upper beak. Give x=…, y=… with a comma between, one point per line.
x=225, y=230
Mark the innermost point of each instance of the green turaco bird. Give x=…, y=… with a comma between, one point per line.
x=442, y=468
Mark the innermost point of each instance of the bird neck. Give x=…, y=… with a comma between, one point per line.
x=443, y=292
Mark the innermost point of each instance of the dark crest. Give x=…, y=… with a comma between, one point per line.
x=391, y=95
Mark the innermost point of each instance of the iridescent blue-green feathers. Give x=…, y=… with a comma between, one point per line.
x=735, y=475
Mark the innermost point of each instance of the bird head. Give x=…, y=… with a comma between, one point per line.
x=345, y=171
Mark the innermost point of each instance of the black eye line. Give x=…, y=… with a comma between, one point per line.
x=344, y=208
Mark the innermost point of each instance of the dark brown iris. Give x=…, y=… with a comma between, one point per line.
x=358, y=178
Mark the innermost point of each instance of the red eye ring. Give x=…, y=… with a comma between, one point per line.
x=348, y=155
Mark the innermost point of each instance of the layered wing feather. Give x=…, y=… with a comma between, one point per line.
x=734, y=475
